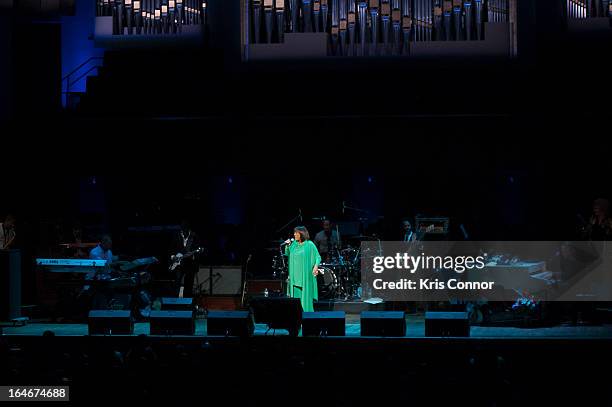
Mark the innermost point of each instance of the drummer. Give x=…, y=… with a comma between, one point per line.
x=327, y=241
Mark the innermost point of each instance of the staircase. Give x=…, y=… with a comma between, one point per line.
x=152, y=83
x=87, y=69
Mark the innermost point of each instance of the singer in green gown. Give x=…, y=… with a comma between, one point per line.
x=304, y=260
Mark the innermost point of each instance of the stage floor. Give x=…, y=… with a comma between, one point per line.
x=415, y=328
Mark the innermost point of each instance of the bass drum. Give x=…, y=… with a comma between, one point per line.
x=328, y=283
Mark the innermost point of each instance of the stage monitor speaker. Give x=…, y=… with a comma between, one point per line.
x=110, y=322
x=383, y=323
x=230, y=323
x=226, y=280
x=324, y=323
x=278, y=313
x=447, y=324
x=172, y=323
x=176, y=304
x=10, y=284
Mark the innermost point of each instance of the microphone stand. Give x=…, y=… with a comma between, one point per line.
x=299, y=216
x=244, y=281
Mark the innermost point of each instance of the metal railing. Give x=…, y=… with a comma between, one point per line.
x=81, y=71
x=71, y=82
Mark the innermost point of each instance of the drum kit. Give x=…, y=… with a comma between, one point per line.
x=341, y=274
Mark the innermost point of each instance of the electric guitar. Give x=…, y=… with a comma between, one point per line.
x=177, y=259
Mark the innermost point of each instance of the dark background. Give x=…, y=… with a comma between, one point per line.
x=502, y=180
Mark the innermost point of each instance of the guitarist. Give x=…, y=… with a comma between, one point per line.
x=186, y=243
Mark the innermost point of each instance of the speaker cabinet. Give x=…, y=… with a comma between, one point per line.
x=324, y=323
x=383, y=323
x=447, y=324
x=230, y=323
x=110, y=322
x=172, y=323
x=278, y=313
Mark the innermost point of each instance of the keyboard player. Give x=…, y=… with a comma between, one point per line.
x=103, y=250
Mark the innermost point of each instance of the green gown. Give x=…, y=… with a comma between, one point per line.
x=302, y=284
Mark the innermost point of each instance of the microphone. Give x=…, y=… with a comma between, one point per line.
x=300, y=209
x=287, y=242
x=343, y=207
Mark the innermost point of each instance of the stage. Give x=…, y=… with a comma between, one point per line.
x=493, y=367
x=415, y=328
